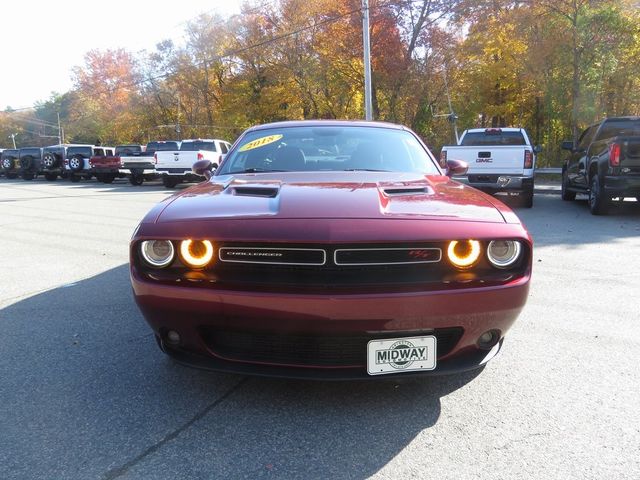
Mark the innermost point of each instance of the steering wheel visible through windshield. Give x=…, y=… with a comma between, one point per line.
x=329, y=148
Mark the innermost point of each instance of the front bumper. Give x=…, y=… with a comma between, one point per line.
x=189, y=311
x=622, y=186
x=494, y=183
x=462, y=363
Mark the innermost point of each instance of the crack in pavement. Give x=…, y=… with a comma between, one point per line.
x=123, y=469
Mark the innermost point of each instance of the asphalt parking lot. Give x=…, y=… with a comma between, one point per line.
x=85, y=393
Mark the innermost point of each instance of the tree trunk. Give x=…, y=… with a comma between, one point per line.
x=575, y=84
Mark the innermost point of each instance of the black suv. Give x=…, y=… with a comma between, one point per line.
x=9, y=162
x=29, y=159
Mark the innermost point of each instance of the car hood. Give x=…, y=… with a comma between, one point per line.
x=308, y=195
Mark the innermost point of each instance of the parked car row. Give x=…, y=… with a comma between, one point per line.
x=604, y=163
x=170, y=160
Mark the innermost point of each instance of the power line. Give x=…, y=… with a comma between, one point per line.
x=35, y=121
x=185, y=22
x=245, y=49
x=238, y=51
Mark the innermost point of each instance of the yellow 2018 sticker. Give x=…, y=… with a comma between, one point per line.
x=260, y=142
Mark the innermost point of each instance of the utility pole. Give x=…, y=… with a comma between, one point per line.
x=452, y=116
x=59, y=131
x=368, y=107
x=178, y=129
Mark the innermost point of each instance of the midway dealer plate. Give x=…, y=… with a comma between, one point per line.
x=397, y=355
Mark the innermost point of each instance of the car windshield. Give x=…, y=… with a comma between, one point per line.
x=624, y=128
x=162, y=147
x=84, y=151
x=9, y=153
x=198, y=145
x=128, y=150
x=34, y=152
x=329, y=148
x=492, y=137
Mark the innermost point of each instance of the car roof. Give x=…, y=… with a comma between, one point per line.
x=627, y=117
x=326, y=123
x=63, y=145
x=203, y=140
x=504, y=129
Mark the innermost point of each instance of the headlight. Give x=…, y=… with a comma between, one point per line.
x=463, y=253
x=157, y=253
x=196, y=253
x=503, y=253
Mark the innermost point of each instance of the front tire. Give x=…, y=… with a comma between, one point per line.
x=598, y=202
x=567, y=195
x=136, y=180
x=527, y=200
x=170, y=182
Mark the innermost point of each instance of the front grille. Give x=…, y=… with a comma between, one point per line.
x=273, y=256
x=386, y=256
x=335, y=269
x=311, y=350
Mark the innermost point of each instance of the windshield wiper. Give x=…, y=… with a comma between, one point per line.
x=364, y=170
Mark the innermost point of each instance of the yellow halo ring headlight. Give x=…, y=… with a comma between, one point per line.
x=464, y=253
x=196, y=253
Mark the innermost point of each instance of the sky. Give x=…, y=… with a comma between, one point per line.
x=48, y=38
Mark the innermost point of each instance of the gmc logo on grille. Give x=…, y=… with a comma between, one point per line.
x=484, y=160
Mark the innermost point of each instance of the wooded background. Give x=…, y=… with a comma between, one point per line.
x=551, y=66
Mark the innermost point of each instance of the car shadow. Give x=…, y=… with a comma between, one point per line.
x=553, y=221
x=86, y=393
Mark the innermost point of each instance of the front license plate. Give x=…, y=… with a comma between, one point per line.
x=397, y=355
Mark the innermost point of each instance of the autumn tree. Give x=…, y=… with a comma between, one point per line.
x=105, y=86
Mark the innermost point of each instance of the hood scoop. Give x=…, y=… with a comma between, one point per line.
x=398, y=191
x=254, y=191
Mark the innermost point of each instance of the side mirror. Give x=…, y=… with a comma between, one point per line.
x=567, y=145
x=204, y=168
x=456, y=167
x=537, y=149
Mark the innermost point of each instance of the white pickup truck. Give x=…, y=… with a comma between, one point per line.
x=175, y=166
x=501, y=161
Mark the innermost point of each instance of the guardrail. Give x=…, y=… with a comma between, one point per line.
x=549, y=170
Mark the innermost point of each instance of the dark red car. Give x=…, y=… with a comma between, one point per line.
x=331, y=249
